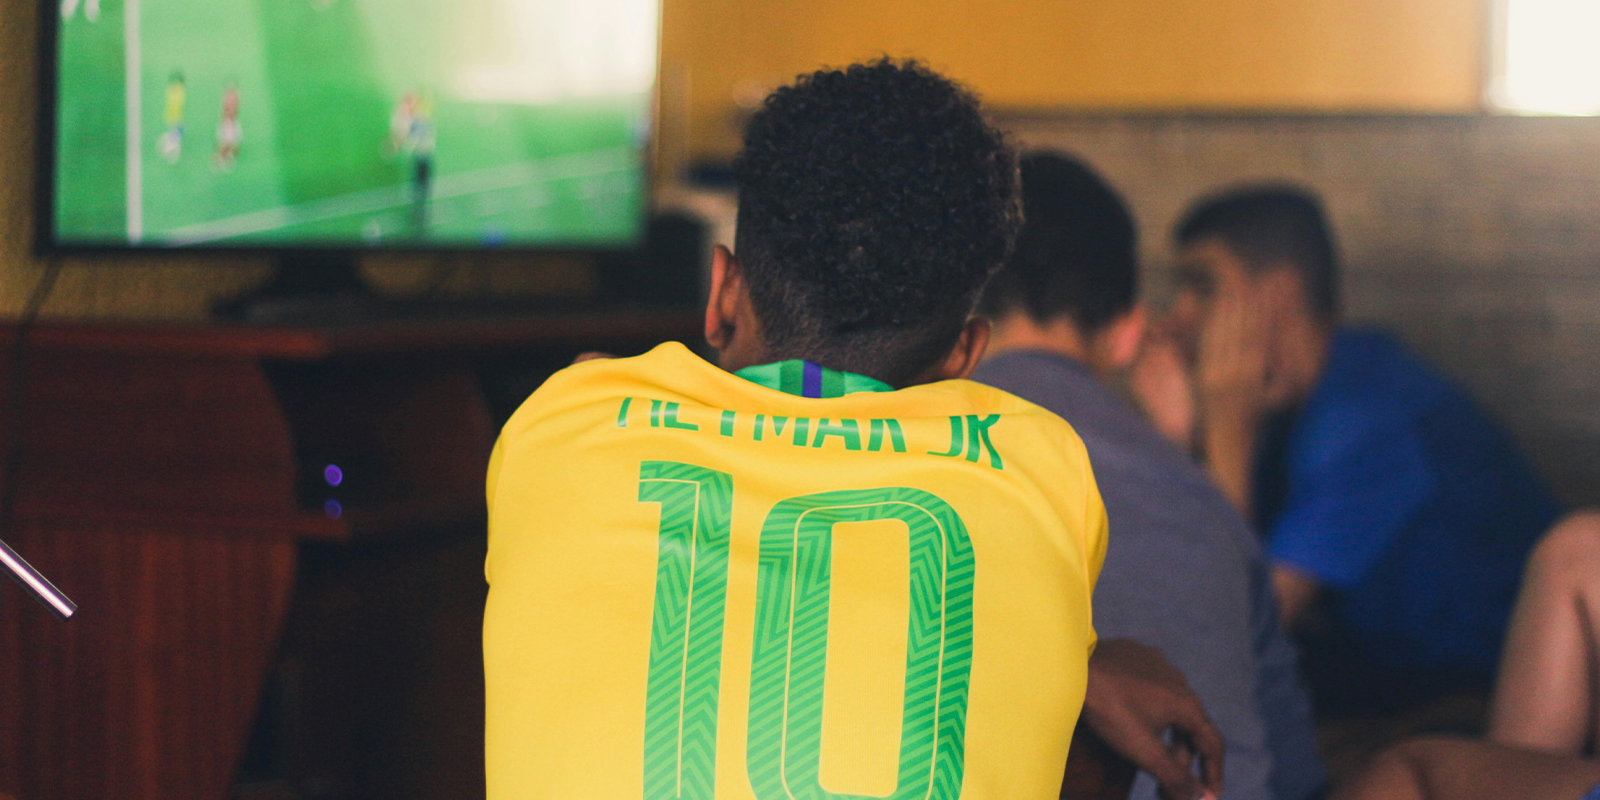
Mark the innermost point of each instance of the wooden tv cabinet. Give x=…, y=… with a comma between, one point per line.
x=170, y=476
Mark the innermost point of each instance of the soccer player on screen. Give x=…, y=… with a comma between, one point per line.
x=411, y=133
x=228, y=131
x=826, y=563
x=171, y=143
x=91, y=10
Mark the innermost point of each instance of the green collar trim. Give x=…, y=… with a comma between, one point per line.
x=806, y=379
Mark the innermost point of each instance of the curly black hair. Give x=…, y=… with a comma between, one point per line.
x=874, y=203
x=1076, y=255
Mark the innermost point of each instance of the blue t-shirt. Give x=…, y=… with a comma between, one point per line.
x=1402, y=498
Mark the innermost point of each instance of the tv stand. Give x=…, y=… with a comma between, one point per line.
x=320, y=287
x=172, y=478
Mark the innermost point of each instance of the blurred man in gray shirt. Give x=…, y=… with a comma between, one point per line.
x=1183, y=571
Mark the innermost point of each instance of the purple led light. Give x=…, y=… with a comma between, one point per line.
x=333, y=509
x=333, y=475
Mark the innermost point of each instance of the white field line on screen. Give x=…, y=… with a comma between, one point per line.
x=133, y=76
x=575, y=165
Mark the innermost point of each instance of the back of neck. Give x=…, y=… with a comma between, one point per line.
x=1018, y=332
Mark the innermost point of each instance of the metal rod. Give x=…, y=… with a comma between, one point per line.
x=35, y=584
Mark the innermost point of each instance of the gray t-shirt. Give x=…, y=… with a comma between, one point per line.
x=1183, y=573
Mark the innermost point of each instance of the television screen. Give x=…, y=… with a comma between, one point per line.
x=351, y=123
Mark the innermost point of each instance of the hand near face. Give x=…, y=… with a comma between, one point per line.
x=1135, y=698
x=1161, y=385
x=1228, y=314
x=1231, y=369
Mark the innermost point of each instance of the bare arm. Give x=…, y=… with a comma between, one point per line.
x=1230, y=444
x=1544, y=698
x=1231, y=384
x=1464, y=769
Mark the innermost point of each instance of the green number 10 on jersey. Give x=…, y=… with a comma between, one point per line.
x=790, y=641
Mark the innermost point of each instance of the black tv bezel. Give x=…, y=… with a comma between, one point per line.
x=45, y=244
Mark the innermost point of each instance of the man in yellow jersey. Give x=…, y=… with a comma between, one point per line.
x=828, y=565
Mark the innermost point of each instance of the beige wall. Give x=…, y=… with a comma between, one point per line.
x=1418, y=55
x=1325, y=55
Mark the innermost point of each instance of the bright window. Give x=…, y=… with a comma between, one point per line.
x=1547, y=57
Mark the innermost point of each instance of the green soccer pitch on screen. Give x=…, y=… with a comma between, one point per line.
x=350, y=123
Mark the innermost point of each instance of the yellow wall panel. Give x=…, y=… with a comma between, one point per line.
x=1326, y=55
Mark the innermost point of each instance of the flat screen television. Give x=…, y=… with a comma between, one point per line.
x=334, y=125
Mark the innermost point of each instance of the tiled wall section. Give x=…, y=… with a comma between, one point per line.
x=1476, y=238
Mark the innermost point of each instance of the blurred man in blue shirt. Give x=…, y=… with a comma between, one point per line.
x=1382, y=491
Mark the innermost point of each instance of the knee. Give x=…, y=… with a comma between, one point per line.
x=1430, y=750
x=1405, y=769
x=1425, y=758
x=1571, y=547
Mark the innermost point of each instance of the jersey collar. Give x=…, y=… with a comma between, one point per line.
x=806, y=379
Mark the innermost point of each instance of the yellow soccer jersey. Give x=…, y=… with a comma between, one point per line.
x=786, y=583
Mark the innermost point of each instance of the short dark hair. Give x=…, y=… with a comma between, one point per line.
x=1076, y=253
x=874, y=202
x=1263, y=224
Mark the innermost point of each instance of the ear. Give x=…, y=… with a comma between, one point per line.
x=964, y=357
x=1118, y=343
x=722, y=304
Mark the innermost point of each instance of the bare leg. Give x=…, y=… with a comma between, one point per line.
x=1545, y=697
x=1461, y=769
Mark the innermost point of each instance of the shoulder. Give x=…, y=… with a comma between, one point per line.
x=1054, y=382
x=1020, y=417
x=1373, y=388
x=1370, y=371
x=606, y=381
x=984, y=397
x=1029, y=371
x=1033, y=446
x=1131, y=459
